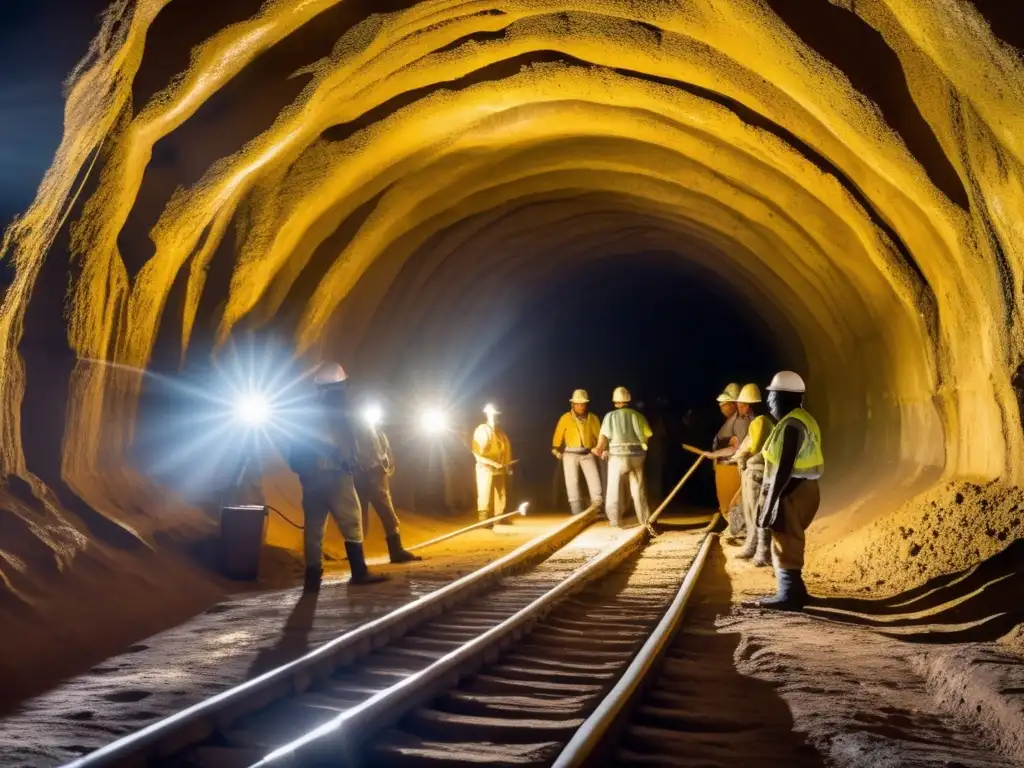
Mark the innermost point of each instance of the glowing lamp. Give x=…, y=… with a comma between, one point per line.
x=253, y=409
x=491, y=410
x=373, y=415
x=433, y=421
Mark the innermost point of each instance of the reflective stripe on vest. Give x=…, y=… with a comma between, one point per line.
x=809, y=459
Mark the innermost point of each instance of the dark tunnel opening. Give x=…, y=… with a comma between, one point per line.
x=629, y=319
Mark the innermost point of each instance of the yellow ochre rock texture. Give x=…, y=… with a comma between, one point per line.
x=853, y=169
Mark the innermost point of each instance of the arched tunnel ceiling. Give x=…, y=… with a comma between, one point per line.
x=851, y=168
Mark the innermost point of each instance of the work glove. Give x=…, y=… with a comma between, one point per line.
x=556, y=453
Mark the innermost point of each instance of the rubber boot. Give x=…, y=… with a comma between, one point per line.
x=763, y=555
x=357, y=561
x=791, y=594
x=485, y=514
x=312, y=579
x=749, y=546
x=398, y=553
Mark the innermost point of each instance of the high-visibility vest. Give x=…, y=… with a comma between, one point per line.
x=810, y=462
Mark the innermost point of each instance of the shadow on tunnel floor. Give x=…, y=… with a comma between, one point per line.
x=979, y=604
x=701, y=706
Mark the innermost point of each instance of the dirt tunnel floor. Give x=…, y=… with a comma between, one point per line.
x=832, y=693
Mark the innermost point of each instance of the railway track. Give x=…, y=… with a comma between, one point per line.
x=525, y=706
x=509, y=661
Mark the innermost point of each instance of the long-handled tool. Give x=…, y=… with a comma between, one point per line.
x=689, y=473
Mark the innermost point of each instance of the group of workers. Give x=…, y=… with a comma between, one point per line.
x=766, y=466
x=621, y=438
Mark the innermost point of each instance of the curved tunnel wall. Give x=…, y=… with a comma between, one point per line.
x=446, y=148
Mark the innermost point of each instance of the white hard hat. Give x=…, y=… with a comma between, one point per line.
x=329, y=373
x=621, y=395
x=580, y=396
x=787, y=381
x=750, y=394
x=729, y=394
x=491, y=410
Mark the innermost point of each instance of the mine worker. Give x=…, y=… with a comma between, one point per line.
x=624, y=437
x=324, y=457
x=790, y=497
x=493, y=452
x=746, y=457
x=751, y=465
x=373, y=485
x=728, y=439
x=575, y=438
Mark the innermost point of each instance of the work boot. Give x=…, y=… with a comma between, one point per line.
x=749, y=546
x=357, y=562
x=312, y=579
x=791, y=594
x=398, y=553
x=763, y=555
x=485, y=514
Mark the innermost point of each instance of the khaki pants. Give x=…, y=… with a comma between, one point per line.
x=572, y=463
x=620, y=467
x=373, y=487
x=797, y=508
x=727, y=482
x=491, y=493
x=333, y=493
x=750, y=486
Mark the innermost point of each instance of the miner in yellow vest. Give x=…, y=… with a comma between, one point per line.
x=793, y=463
x=750, y=461
x=575, y=438
x=493, y=452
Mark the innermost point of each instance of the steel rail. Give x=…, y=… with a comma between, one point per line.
x=338, y=741
x=200, y=721
x=595, y=731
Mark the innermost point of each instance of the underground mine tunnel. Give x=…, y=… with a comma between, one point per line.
x=500, y=201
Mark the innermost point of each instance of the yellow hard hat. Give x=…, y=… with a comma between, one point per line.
x=580, y=396
x=729, y=394
x=750, y=394
x=621, y=395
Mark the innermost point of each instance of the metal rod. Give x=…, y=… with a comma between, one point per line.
x=654, y=515
x=521, y=510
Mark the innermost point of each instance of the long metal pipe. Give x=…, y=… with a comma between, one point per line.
x=521, y=510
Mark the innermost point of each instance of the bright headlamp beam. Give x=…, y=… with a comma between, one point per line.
x=373, y=415
x=433, y=421
x=253, y=409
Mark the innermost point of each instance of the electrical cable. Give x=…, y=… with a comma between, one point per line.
x=285, y=518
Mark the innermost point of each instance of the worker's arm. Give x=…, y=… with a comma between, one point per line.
x=559, y=437
x=604, y=436
x=721, y=453
x=783, y=471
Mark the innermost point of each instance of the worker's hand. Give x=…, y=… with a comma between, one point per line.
x=556, y=453
x=734, y=441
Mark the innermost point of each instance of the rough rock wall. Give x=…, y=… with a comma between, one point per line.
x=854, y=169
